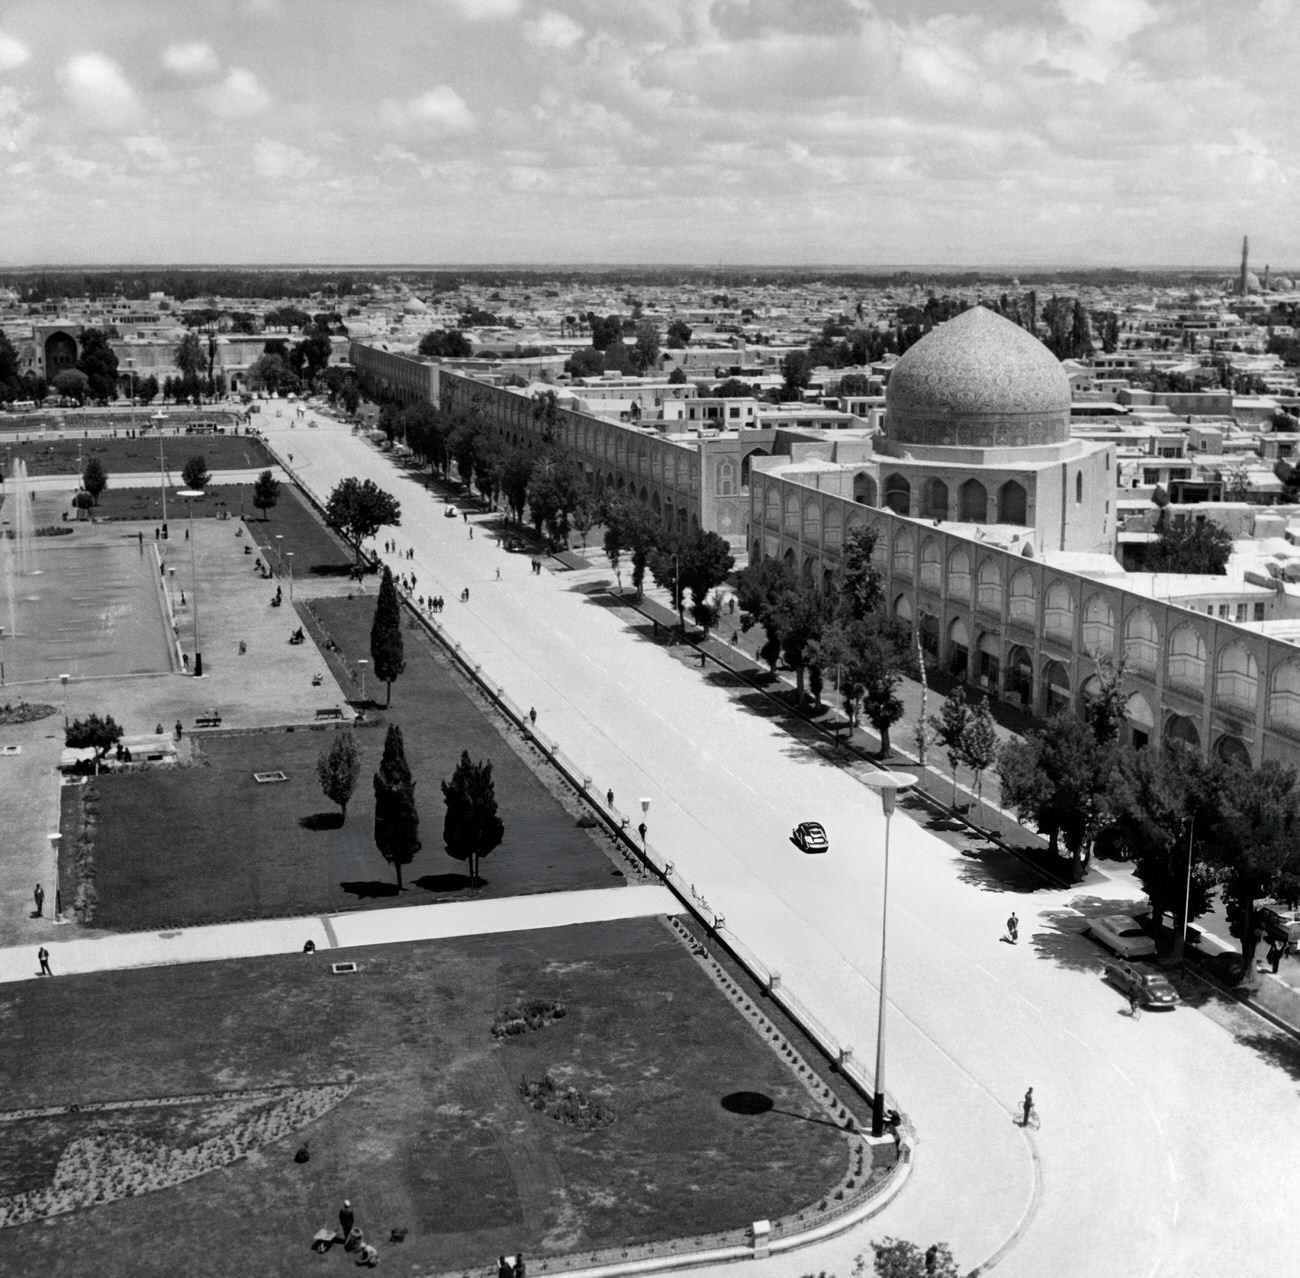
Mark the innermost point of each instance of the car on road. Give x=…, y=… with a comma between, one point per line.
x=1279, y=923
x=1123, y=934
x=1152, y=988
x=810, y=836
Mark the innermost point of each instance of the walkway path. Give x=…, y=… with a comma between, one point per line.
x=109, y=953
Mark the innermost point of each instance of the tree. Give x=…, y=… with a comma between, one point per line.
x=950, y=726
x=338, y=768
x=310, y=357
x=386, y=650
x=192, y=360
x=760, y=590
x=1157, y=798
x=146, y=389
x=516, y=473
x=9, y=382
x=646, y=347
x=397, y=823
x=195, y=472
x=677, y=377
x=98, y=362
x=733, y=388
x=472, y=826
x=630, y=526
x=896, y=1258
x=72, y=383
x=83, y=502
x=692, y=562
x=1253, y=845
x=1191, y=546
x=360, y=508
x=94, y=479
x=585, y=363
x=862, y=586
x=679, y=333
x=445, y=344
x=266, y=492
x=879, y=656
x=855, y=384
x=979, y=745
x=96, y=732
x=796, y=369
x=271, y=372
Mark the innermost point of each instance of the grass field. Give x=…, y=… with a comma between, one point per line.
x=59, y=456
x=209, y=843
x=434, y=1137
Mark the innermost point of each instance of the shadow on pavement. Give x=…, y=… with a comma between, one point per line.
x=447, y=882
x=322, y=821
x=368, y=888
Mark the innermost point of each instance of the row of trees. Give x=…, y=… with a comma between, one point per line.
x=1188, y=824
x=471, y=827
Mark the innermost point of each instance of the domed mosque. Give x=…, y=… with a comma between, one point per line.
x=977, y=432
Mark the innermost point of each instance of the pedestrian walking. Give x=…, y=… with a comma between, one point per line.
x=1027, y=1107
x=471, y=532
x=39, y=897
x=1013, y=928
x=609, y=797
x=179, y=729
x=347, y=1219
x=498, y=574
x=464, y=514
x=44, y=955
x=532, y=715
x=519, y=1264
x=504, y=1268
x=1134, y=1004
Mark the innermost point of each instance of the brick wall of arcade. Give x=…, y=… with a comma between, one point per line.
x=1029, y=633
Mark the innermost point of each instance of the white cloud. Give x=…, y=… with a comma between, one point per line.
x=151, y=153
x=96, y=86
x=192, y=59
x=275, y=159
x=17, y=127
x=481, y=10
x=13, y=53
x=441, y=111
x=551, y=30
x=237, y=96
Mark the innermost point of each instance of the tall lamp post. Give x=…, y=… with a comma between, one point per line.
x=362, y=663
x=190, y=495
x=888, y=784
x=130, y=363
x=289, y=556
x=677, y=592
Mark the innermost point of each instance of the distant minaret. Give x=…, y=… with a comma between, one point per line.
x=1245, y=254
x=1267, y=268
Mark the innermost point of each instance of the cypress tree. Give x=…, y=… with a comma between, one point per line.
x=397, y=823
x=386, y=651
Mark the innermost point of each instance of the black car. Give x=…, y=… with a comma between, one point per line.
x=810, y=836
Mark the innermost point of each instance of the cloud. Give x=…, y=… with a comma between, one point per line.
x=481, y=10
x=237, y=96
x=551, y=30
x=274, y=159
x=97, y=88
x=13, y=53
x=17, y=127
x=193, y=59
x=441, y=111
x=151, y=153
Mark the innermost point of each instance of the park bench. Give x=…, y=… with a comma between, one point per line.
x=329, y=712
x=208, y=721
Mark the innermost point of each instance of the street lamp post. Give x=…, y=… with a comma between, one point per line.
x=162, y=475
x=279, y=549
x=130, y=363
x=63, y=679
x=362, y=663
x=289, y=555
x=190, y=495
x=888, y=784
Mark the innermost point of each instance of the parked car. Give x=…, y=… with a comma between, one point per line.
x=810, y=836
x=1152, y=988
x=1279, y=923
x=1123, y=934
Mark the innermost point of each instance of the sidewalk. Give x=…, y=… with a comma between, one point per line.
x=330, y=932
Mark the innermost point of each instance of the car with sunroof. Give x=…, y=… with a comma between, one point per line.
x=810, y=836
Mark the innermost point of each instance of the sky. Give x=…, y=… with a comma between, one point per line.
x=732, y=132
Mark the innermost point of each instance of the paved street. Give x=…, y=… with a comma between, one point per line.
x=1128, y=1173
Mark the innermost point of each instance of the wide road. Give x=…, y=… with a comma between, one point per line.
x=1135, y=1169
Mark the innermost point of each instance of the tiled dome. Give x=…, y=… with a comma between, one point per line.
x=978, y=381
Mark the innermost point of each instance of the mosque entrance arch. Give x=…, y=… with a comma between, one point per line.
x=898, y=494
x=60, y=353
x=1013, y=505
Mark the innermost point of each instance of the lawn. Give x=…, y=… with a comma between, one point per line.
x=425, y=1129
x=59, y=456
x=209, y=843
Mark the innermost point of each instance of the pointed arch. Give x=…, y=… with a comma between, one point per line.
x=973, y=503
x=1013, y=504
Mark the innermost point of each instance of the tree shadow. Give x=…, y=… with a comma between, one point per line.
x=1275, y=1048
x=322, y=821
x=754, y=1104
x=452, y=882
x=366, y=889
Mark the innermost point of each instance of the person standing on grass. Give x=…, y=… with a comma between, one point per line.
x=347, y=1219
x=39, y=897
